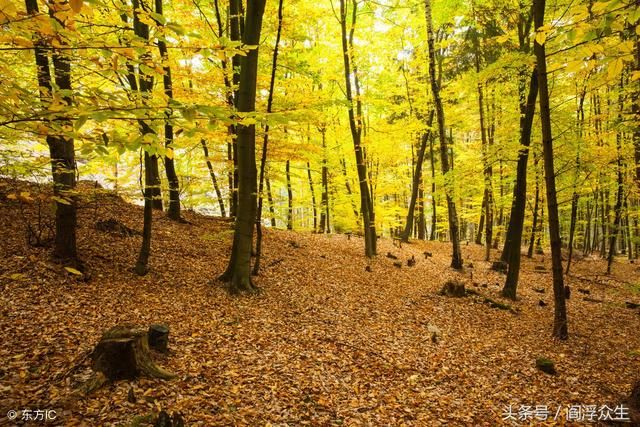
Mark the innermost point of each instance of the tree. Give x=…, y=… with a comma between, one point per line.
x=151, y=174
x=560, y=329
x=265, y=146
x=355, y=125
x=238, y=272
x=454, y=233
x=169, y=164
x=61, y=145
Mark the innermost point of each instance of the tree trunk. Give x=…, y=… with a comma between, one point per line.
x=417, y=178
x=61, y=148
x=151, y=173
x=324, y=209
x=236, y=26
x=421, y=225
x=434, y=217
x=213, y=178
x=456, y=257
x=313, y=199
x=534, y=223
x=488, y=171
x=238, y=272
x=169, y=163
x=560, y=329
x=343, y=163
x=355, y=125
x=265, y=146
x=576, y=196
x=289, y=196
x=513, y=242
x=272, y=209
x=478, y=239
x=618, y=206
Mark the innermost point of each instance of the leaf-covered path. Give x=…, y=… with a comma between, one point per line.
x=325, y=343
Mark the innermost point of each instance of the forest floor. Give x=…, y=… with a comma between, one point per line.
x=324, y=343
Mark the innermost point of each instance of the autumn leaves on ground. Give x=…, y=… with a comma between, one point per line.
x=325, y=342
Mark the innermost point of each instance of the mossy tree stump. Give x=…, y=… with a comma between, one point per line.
x=453, y=288
x=123, y=353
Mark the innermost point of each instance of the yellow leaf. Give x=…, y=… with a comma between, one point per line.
x=541, y=37
x=73, y=271
x=615, y=68
x=7, y=10
x=76, y=5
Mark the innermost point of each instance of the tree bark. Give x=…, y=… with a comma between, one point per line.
x=513, y=242
x=355, y=125
x=151, y=173
x=61, y=147
x=169, y=163
x=324, y=209
x=417, y=178
x=560, y=329
x=289, y=196
x=265, y=146
x=456, y=257
x=617, y=210
x=213, y=177
x=434, y=216
x=313, y=199
x=576, y=196
x=238, y=273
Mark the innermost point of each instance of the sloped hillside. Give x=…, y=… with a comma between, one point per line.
x=325, y=343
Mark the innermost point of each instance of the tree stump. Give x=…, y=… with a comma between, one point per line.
x=453, y=289
x=123, y=353
x=545, y=365
x=159, y=338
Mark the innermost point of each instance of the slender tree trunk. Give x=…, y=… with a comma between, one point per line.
x=417, y=178
x=478, y=239
x=560, y=329
x=289, y=196
x=265, y=146
x=238, y=272
x=635, y=107
x=576, y=196
x=169, y=163
x=61, y=147
x=324, y=209
x=213, y=178
x=434, y=216
x=355, y=125
x=349, y=191
x=236, y=19
x=618, y=206
x=456, y=257
x=488, y=172
x=272, y=210
x=513, y=242
x=534, y=224
x=421, y=225
x=313, y=199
